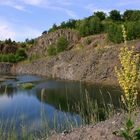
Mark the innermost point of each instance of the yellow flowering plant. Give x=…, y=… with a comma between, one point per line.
x=128, y=75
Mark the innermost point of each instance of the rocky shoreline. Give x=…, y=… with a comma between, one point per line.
x=101, y=131
x=86, y=65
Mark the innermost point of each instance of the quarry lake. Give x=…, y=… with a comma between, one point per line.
x=51, y=103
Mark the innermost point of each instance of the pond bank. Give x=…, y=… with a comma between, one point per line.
x=86, y=65
x=100, y=131
x=89, y=64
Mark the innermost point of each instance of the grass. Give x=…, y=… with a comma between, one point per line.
x=89, y=113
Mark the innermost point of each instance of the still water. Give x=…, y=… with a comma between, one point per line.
x=52, y=100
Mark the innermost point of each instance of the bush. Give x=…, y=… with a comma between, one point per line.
x=21, y=54
x=133, y=30
x=8, y=58
x=95, y=26
x=61, y=44
x=51, y=50
x=12, y=58
x=115, y=33
x=115, y=15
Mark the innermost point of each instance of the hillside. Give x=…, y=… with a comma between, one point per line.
x=81, y=50
x=93, y=62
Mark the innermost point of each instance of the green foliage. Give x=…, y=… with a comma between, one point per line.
x=128, y=132
x=131, y=15
x=99, y=22
x=83, y=27
x=12, y=58
x=115, y=15
x=8, y=58
x=61, y=44
x=101, y=15
x=133, y=30
x=29, y=41
x=115, y=33
x=8, y=41
x=51, y=50
x=89, y=26
x=95, y=26
x=54, y=28
x=69, y=24
x=21, y=54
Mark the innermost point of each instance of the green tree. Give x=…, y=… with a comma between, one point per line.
x=21, y=54
x=133, y=30
x=101, y=15
x=115, y=15
x=95, y=25
x=51, y=50
x=115, y=33
x=83, y=27
x=131, y=15
x=54, y=28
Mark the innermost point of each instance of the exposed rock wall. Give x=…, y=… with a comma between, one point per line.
x=88, y=64
x=6, y=49
x=42, y=43
x=5, y=68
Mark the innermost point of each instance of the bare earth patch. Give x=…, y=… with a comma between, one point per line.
x=100, y=131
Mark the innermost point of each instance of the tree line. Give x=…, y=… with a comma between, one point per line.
x=101, y=22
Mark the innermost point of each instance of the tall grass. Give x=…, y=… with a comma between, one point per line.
x=89, y=112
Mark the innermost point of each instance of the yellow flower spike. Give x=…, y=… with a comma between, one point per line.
x=128, y=74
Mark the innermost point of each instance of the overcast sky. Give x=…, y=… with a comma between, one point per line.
x=21, y=19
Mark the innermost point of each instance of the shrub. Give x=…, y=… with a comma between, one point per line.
x=20, y=54
x=8, y=58
x=61, y=44
x=133, y=30
x=115, y=15
x=115, y=33
x=95, y=26
x=5, y=58
x=12, y=58
x=101, y=15
x=51, y=50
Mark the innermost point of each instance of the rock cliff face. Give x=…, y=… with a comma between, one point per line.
x=42, y=43
x=6, y=49
x=90, y=64
x=5, y=68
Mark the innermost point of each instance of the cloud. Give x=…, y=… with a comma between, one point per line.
x=14, y=5
x=128, y=2
x=16, y=32
x=92, y=8
x=6, y=31
x=33, y=2
x=27, y=32
x=71, y=13
x=59, y=5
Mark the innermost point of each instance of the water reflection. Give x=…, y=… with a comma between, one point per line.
x=57, y=97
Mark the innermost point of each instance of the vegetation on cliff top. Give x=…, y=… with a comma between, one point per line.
x=100, y=22
x=97, y=23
